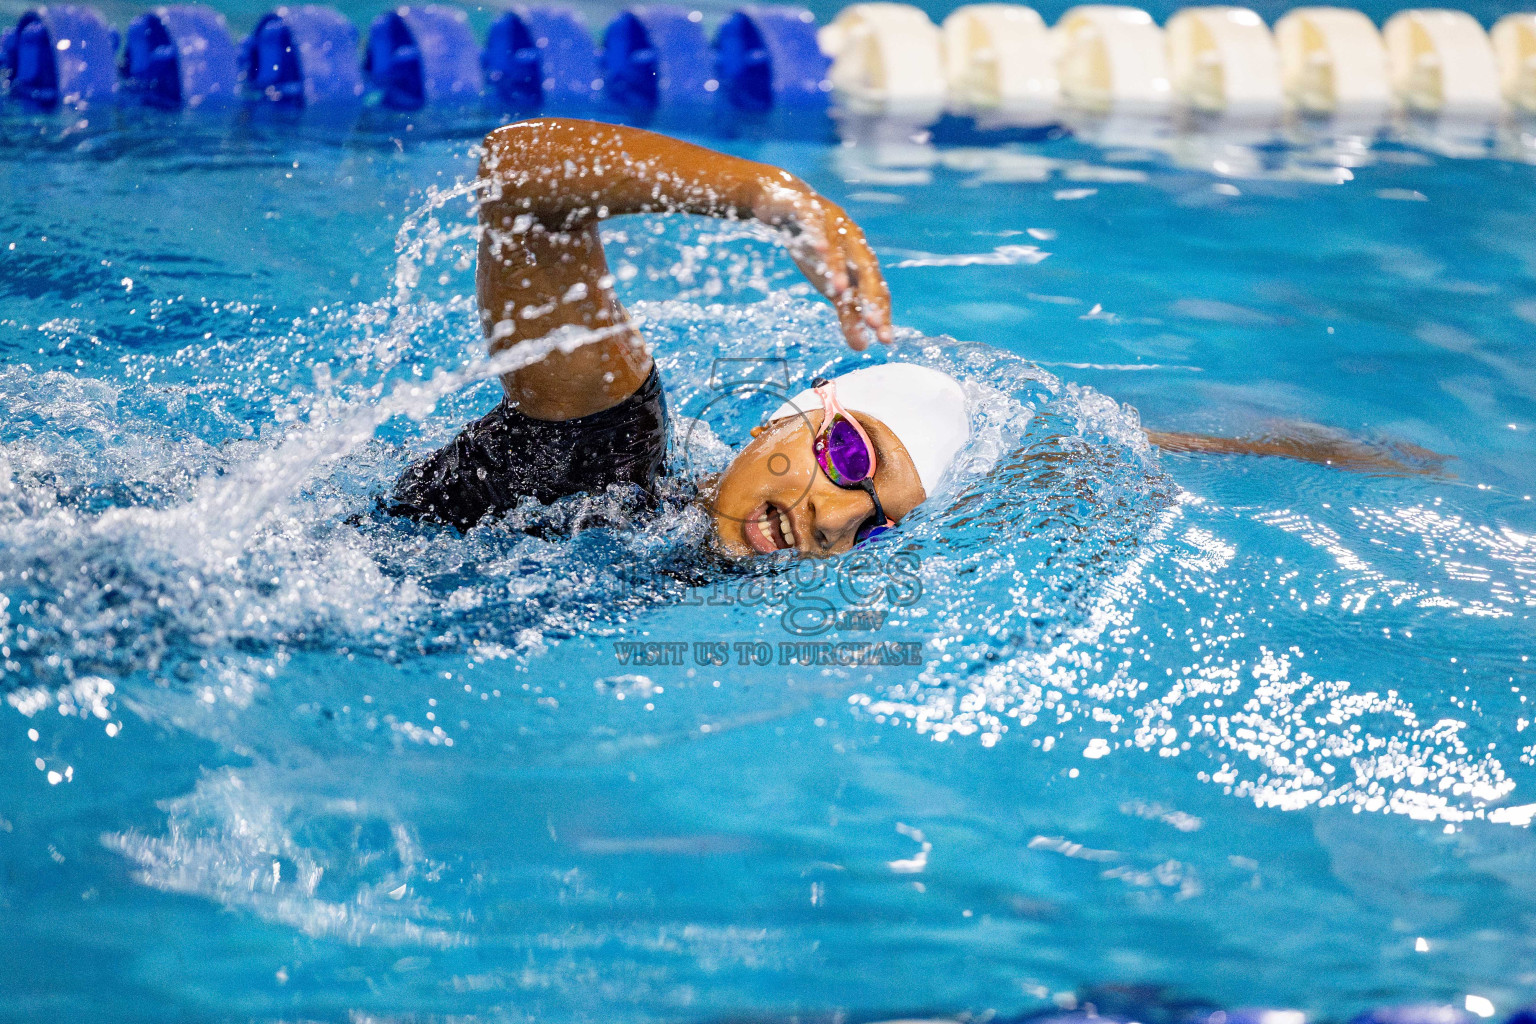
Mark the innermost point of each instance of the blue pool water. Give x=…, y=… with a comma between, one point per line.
x=1185, y=730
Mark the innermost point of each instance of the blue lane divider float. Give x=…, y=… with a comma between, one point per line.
x=539, y=55
x=303, y=56
x=656, y=56
x=423, y=55
x=653, y=56
x=768, y=56
x=62, y=54
x=180, y=56
x=7, y=56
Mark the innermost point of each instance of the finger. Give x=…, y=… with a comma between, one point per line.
x=814, y=267
x=874, y=293
x=834, y=232
x=851, y=317
x=877, y=310
x=812, y=252
x=854, y=331
x=858, y=303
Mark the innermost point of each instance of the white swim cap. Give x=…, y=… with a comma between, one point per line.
x=924, y=408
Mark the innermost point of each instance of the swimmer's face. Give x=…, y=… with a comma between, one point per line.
x=775, y=482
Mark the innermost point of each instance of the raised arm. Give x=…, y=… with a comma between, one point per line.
x=549, y=182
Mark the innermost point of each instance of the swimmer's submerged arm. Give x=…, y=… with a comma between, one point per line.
x=548, y=184
x=1310, y=445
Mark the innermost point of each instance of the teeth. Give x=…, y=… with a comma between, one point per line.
x=789, y=537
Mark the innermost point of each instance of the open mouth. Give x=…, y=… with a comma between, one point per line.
x=768, y=529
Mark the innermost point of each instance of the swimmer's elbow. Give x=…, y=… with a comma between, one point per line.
x=519, y=150
x=512, y=149
x=528, y=165
x=512, y=156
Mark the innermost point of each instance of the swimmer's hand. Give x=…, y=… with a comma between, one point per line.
x=831, y=251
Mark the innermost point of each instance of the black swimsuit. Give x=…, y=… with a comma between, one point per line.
x=505, y=456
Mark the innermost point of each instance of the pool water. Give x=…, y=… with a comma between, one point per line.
x=1150, y=731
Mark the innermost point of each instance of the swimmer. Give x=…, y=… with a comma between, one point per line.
x=837, y=464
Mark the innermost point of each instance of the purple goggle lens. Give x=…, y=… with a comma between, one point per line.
x=843, y=454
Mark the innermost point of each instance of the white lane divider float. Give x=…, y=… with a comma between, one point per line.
x=1223, y=60
x=1514, y=42
x=999, y=57
x=1111, y=57
x=1332, y=61
x=1103, y=58
x=1441, y=62
x=887, y=54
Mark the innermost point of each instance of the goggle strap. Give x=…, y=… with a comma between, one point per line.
x=832, y=409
